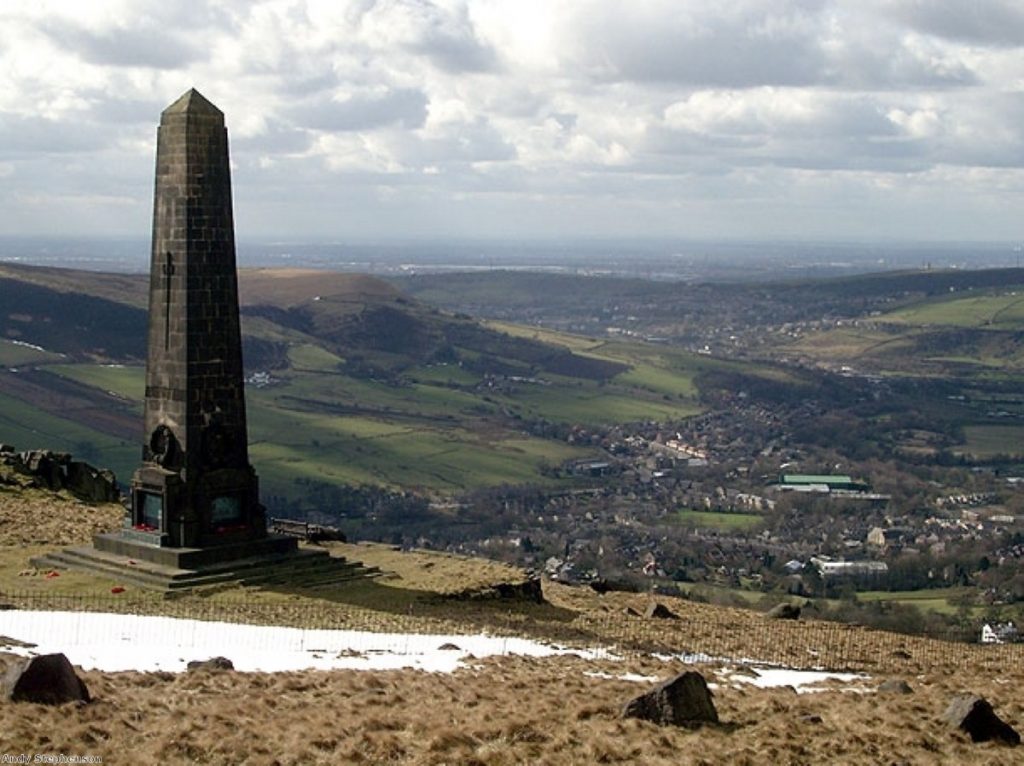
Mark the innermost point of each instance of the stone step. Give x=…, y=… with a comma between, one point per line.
x=303, y=568
x=88, y=557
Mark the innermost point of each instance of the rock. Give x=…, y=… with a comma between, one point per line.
x=48, y=679
x=527, y=590
x=603, y=585
x=975, y=716
x=91, y=484
x=812, y=718
x=746, y=670
x=45, y=467
x=784, y=611
x=681, y=701
x=630, y=612
x=321, y=534
x=7, y=642
x=659, y=611
x=895, y=686
x=449, y=647
x=56, y=471
x=214, y=663
x=901, y=654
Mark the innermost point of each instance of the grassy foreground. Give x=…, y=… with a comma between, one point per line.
x=500, y=711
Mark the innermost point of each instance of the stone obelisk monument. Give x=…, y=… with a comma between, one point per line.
x=195, y=517
x=195, y=488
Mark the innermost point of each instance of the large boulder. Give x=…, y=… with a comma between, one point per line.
x=784, y=611
x=975, y=716
x=524, y=590
x=659, y=611
x=45, y=467
x=48, y=679
x=214, y=663
x=895, y=686
x=681, y=701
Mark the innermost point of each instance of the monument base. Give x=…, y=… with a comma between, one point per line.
x=121, y=544
x=273, y=561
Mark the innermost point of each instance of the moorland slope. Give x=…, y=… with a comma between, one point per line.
x=502, y=710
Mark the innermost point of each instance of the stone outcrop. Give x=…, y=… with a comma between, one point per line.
x=57, y=471
x=529, y=589
x=681, y=701
x=974, y=715
x=48, y=679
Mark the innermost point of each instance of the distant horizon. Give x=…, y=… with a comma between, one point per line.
x=471, y=120
x=539, y=240
x=648, y=258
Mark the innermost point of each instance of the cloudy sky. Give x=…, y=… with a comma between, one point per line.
x=396, y=119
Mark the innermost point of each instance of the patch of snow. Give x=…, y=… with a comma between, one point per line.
x=691, y=658
x=800, y=680
x=634, y=677
x=116, y=642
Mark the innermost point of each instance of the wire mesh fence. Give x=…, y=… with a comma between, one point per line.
x=731, y=635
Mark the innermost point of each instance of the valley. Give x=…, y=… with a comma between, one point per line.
x=601, y=429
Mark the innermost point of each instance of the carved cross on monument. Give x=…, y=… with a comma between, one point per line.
x=168, y=273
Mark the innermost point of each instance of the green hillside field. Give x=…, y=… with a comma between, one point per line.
x=955, y=335
x=436, y=428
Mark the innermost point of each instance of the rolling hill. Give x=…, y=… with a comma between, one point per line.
x=357, y=382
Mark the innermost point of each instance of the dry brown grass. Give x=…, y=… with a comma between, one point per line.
x=505, y=711
x=430, y=571
x=293, y=287
x=501, y=711
x=38, y=517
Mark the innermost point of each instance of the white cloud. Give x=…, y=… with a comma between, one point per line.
x=654, y=117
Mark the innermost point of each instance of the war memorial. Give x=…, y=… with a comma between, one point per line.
x=195, y=516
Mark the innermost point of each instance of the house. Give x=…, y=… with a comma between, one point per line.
x=592, y=468
x=999, y=633
x=888, y=538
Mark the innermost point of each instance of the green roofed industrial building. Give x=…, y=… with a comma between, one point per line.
x=832, y=482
